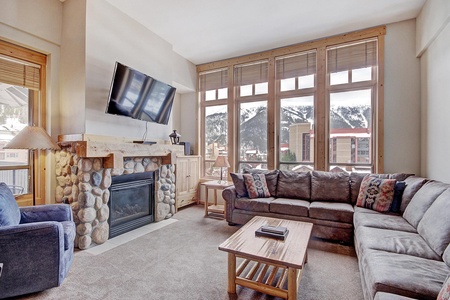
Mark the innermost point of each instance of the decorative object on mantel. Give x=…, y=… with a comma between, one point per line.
x=32, y=138
x=175, y=137
x=221, y=162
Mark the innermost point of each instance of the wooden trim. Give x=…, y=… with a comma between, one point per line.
x=272, y=118
x=320, y=114
x=22, y=53
x=379, y=137
x=324, y=42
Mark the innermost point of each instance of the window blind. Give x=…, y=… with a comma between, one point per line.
x=19, y=73
x=214, y=80
x=296, y=65
x=251, y=73
x=354, y=56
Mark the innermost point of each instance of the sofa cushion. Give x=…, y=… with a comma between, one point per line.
x=400, y=242
x=256, y=185
x=446, y=255
x=294, y=185
x=330, y=187
x=444, y=294
x=389, y=296
x=413, y=184
x=271, y=178
x=332, y=211
x=405, y=275
x=9, y=210
x=422, y=200
x=376, y=193
x=239, y=184
x=380, y=220
x=257, y=204
x=295, y=207
x=435, y=224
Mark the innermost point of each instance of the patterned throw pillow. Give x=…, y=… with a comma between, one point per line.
x=256, y=185
x=376, y=193
x=444, y=294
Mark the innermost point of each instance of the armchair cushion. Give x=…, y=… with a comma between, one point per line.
x=9, y=210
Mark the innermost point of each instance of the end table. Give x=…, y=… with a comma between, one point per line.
x=216, y=186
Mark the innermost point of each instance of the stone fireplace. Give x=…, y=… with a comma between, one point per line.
x=86, y=168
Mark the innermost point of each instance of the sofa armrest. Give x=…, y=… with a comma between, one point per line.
x=48, y=212
x=32, y=257
x=229, y=195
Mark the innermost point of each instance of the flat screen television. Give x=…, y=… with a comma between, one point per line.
x=139, y=96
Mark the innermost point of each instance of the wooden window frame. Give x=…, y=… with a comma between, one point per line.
x=320, y=105
x=37, y=111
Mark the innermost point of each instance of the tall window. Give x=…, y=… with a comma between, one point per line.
x=352, y=73
x=214, y=94
x=251, y=89
x=21, y=104
x=317, y=105
x=295, y=87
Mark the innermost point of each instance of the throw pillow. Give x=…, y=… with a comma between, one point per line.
x=238, y=181
x=376, y=193
x=256, y=185
x=444, y=294
x=398, y=194
x=9, y=210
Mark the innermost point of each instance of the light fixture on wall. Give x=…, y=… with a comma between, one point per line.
x=221, y=162
x=32, y=138
x=175, y=137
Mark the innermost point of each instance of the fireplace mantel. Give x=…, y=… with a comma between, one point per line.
x=113, y=149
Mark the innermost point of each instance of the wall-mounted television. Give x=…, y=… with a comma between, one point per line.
x=139, y=96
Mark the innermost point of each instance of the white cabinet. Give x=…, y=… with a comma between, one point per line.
x=187, y=171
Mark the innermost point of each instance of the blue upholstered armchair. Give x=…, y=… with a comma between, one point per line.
x=36, y=245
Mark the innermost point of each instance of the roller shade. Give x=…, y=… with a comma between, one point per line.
x=353, y=56
x=251, y=73
x=19, y=73
x=296, y=65
x=213, y=80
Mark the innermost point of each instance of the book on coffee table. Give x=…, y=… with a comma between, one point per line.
x=277, y=232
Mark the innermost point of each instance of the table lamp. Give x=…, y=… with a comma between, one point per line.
x=221, y=162
x=32, y=138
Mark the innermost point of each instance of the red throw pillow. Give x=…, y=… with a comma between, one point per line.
x=376, y=193
x=256, y=185
x=444, y=294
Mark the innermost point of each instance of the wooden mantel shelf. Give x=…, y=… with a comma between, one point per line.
x=113, y=150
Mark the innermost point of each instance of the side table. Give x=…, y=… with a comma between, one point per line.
x=216, y=186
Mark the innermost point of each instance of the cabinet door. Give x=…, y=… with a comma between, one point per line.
x=182, y=176
x=193, y=175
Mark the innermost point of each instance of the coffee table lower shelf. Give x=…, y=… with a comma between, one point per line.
x=275, y=280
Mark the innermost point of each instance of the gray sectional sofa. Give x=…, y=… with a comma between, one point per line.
x=400, y=254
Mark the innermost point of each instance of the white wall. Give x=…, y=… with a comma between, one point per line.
x=113, y=36
x=402, y=99
x=433, y=43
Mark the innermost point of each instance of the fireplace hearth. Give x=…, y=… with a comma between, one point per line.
x=131, y=203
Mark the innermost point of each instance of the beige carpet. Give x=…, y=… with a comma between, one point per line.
x=182, y=261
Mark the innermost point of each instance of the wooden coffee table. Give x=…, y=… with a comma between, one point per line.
x=268, y=263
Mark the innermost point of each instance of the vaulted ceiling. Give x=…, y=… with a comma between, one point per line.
x=209, y=30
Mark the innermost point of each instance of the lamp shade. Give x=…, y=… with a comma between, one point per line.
x=221, y=162
x=32, y=138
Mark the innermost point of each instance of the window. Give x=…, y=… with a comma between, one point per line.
x=214, y=94
x=317, y=105
x=295, y=92
x=351, y=92
x=21, y=103
x=250, y=82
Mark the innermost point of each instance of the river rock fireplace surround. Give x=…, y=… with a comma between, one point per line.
x=84, y=171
